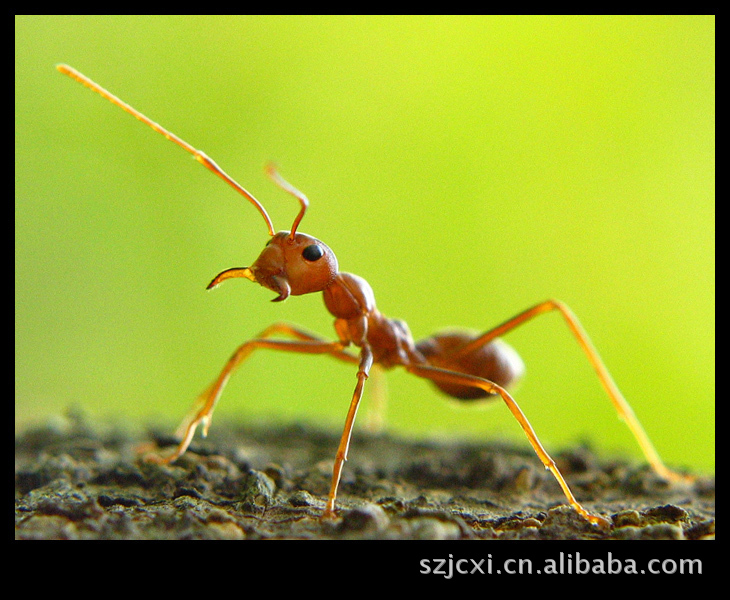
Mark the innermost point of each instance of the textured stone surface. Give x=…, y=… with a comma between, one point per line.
x=77, y=480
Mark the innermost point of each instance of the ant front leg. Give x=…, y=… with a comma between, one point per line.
x=202, y=411
x=454, y=377
x=622, y=406
x=366, y=362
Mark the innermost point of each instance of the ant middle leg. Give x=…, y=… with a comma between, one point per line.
x=446, y=376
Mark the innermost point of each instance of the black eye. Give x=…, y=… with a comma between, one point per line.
x=313, y=252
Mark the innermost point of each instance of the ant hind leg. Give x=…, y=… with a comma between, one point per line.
x=622, y=407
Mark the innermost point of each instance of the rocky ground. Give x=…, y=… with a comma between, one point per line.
x=79, y=480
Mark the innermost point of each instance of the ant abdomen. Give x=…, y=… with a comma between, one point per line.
x=496, y=361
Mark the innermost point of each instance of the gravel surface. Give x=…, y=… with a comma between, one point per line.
x=80, y=480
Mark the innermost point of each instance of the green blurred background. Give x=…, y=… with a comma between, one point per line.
x=468, y=168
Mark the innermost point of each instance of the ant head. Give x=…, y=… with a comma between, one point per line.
x=291, y=263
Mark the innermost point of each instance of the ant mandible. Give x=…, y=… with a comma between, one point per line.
x=462, y=365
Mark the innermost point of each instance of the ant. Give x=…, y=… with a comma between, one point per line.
x=462, y=365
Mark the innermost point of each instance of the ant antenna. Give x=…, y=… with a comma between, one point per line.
x=273, y=174
x=200, y=156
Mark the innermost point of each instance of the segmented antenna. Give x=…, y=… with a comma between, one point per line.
x=288, y=187
x=200, y=156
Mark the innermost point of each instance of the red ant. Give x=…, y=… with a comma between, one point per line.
x=462, y=365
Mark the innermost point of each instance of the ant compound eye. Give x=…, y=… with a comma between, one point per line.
x=313, y=252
